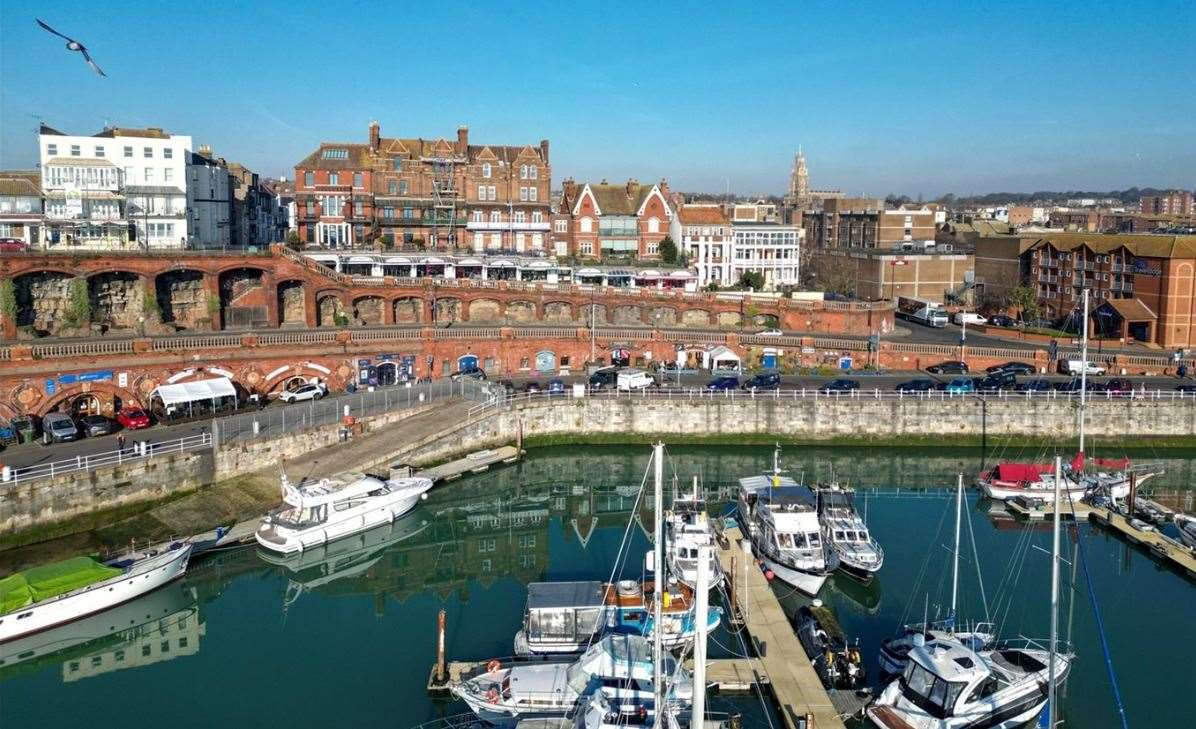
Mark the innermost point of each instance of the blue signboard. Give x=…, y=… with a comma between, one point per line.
x=51, y=388
x=845, y=363
x=100, y=376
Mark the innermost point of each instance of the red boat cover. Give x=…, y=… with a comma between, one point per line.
x=1018, y=472
x=1116, y=464
x=1077, y=463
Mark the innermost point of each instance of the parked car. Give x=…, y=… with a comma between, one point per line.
x=133, y=418
x=1075, y=367
x=770, y=333
x=1002, y=320
x=533, y=388
x=968, y=317
x=94, y=425
x=303, y=393
x=948, y=368
x=1036, y=385
x=763, y=381
x=556, y=386
x=507, y=387
x=723, y=383
x=840, y=385
x=961, y=386
x=57, y=428
x=469, y=373
x=632, y=379
x=13, y=245
x=604, y=379
x=1185, y=388
x=920, y=384
x=997, y=381
x=1119, y=386
x=1069, y=386
x=1018, y=368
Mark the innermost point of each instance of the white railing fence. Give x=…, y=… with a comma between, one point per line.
x=134, y=451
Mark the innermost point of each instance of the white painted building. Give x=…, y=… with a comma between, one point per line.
x=772, y=249
x=703, y=233
x=118, y=188
x=208, y=202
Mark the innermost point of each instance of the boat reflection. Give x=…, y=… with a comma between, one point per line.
x=159, y=626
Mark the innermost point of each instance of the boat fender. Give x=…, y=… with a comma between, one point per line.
x=768, y=575
x=493, y=665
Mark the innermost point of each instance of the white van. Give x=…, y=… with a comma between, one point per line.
x=1076, y=367
x=630, y=379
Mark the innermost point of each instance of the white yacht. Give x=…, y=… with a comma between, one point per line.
x=1187, y=529
x=42, y=597
x=860, y=555
x=687, y=527
x=782, y=523
x=317, y=512
x=618, y=666
x=949, y=686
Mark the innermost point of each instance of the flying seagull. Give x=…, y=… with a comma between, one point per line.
x=74, y=45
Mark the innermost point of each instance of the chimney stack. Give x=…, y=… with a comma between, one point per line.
x=375, y=136
x=462, y=139
x=544, y=150
x=631, y=183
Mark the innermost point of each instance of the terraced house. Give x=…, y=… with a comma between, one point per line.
x=415, y=193
x=616, y=222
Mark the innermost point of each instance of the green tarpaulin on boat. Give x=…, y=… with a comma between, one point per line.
x=51, y=580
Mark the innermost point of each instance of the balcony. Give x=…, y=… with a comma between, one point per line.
x=488, y=225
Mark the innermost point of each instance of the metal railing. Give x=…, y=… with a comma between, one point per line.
x=133, y=453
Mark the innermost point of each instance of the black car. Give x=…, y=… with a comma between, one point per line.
x=1119, y=386
x=556, y=386
x=93, y=425
x=840, y=385
x=1002, y=320
x=1038, y=385
x=920, y=384
x=469, y=373
x=532, y=388
x=763, y=381
x=948, y=368
x=997, y=381
x=1017, y=368
x=604, y=379
x=1185, y=388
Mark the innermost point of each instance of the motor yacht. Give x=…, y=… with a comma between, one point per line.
x=781, y=520
x=860, y=555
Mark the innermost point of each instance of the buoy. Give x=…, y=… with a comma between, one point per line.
x=768, y=575
x=493, y=665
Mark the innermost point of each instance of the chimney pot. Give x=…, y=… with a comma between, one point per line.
x=462, y=139
x=375, y=136
x=544, y=150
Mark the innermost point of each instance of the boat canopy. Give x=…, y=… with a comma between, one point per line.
x=185, y=392
x=51, y=580
x=327, y=491
x=752, y=484
x=1018, y=472
x=551, y=595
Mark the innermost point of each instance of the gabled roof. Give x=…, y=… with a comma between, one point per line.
x=1146, y=244
x=624, y=199
x=702, y=215
x=20, y=183
x=357, y=157
x=1131, y=309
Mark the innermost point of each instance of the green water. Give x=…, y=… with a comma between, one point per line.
x=349, y=641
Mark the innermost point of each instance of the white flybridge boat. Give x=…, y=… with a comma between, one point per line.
x=317, y=512
x=1187, y=529
x=48, y=595
x=860, y=555
x=947, y=685
x=688, y=528
x=1037, y=481
x=781, y=519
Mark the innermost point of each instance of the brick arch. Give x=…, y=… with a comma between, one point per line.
x=41, y=298
x=558, y=312
x=369, y=310
x=276, y=379
x=695, y=318
x=70, y=393
x=521, y=311
x=446, y=310
x=327, y=304
x=627, y=314
x=117, y=299
x=182, y=296
x=485, y=310
x=292, y=301
x=408, y=309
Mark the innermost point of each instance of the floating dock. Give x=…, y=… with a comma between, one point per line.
x=803, y=702
x=1035, y=510
x=475, y=462
x=1160, y=545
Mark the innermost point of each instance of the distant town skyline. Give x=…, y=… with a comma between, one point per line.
x=882, y=101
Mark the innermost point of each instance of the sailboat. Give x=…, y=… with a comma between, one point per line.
x=1037, y=481
x=894, y=652
x=947, y=685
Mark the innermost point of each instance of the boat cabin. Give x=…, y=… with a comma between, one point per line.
x=564, y=612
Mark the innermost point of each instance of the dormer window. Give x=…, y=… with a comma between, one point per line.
x=486, y=170
x=335, y=153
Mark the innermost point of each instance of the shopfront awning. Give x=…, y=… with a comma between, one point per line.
x=200, y=390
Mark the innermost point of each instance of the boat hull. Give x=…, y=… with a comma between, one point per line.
x=285, y=541
x=810, y=584
x=145, y=576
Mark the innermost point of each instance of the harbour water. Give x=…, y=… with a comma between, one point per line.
x=346, y=636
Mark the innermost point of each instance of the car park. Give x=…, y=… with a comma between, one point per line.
x=960, y=386
x=723, y=383
x=304, y=393
x=95, y=425
x=948, y=368
x=556, y=386
x=131, y=418
x=469, y=373
x=968, y=317
x=920, y=384
x=1018, y=368
x=763, y=381
x=1036, y=385
x=840, y=385
x=57, y=428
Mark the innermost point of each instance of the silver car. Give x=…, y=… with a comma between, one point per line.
x=58, y=427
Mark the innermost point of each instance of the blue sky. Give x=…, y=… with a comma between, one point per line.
x=915, y=98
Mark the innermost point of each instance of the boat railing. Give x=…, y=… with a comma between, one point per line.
x=1036, y=644
x=456, y=721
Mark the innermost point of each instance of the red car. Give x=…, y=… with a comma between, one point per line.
x=13, y=245
x=133, y=418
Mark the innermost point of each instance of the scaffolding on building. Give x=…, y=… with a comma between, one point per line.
x=444, y=201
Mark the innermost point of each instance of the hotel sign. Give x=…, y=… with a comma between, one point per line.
x=1147, y=268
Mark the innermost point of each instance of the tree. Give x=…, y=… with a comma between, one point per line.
x=1025, y=299
x=78, y=311
x=293, y=238
x=833, y=274
x=668, y=250
x=751, y=280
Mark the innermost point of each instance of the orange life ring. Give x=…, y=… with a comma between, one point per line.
x=493, y=665
x=492, y=695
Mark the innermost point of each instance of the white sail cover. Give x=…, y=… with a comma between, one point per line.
x=184, y=392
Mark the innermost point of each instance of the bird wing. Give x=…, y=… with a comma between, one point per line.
x=60, y=35
x=91, y=63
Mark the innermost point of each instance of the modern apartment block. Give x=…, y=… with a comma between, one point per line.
x=608, y=221
x=865, y=223
x=1172, y=202
x=424, y=193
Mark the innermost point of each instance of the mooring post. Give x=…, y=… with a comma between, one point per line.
x=440, y=647
x=519, y=437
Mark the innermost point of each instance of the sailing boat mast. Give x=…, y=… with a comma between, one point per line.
x=701, y=602
x=955, y=559
x=1051, y=693
x=658, y=593
x=1083, y=372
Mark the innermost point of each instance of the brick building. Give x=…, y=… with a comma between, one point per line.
x=421, y=193
x=1173, y=202
x=1141, y=285
x=614, y=221
x=864, y=223
x=880, y=275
